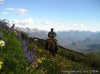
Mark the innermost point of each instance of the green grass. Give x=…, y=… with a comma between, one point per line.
x=12, y=54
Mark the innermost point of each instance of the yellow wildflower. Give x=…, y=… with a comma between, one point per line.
x=39, y=60
x=34, y=65
x=1, y=64
x=43, y=58
x=39, y=50
x=35, y=46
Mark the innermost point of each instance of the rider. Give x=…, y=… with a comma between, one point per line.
x=52, y=34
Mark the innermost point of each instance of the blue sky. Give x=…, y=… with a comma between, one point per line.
x=60, y=14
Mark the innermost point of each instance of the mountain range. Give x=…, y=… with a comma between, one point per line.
x=90, y=44
x=81, y=41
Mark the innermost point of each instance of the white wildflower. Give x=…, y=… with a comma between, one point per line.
x=2, y=43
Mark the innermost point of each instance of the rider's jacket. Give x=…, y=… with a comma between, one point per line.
x=51, y=34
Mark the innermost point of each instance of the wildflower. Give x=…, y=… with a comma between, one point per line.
x=2, y=43
x=28, y=54
x=39, y=60
x=34, y=65
x=35, y=46
x=12, y=28
x=48, y=59
x=44, y=55
x=19, y=35
x=31, y=58
x=39, y=50
x=15, y=32
x=43, y=58
x=24, y=43
x=1, y=64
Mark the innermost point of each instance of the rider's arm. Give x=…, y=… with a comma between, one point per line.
x=55, y=35
x=48, y=34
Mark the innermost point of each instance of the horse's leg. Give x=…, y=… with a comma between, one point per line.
x=56, y=47
x=46, y=45
x=49, y=45
x=53, y=47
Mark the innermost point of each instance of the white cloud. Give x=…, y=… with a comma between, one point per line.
x=23, y=23
x=77, y=25
x=9, y=8
x=44, y=25
x=21, y=11
x=80, y=27
x=1, y=2
x=5, y=13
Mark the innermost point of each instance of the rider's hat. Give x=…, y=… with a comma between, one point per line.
x=52, y=29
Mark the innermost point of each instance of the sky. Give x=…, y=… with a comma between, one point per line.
x=62, y=15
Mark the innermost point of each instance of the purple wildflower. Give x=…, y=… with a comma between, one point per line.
x=24, y=43
x=30, y=57
x=12, y=28
x=25, y=50
x=19, y=35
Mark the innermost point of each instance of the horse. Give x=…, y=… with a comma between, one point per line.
x=51, y=45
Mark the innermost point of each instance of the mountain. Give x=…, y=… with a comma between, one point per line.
x=68, y=37
x=21, y=55
x=64, y=37
x=82, y=41
x=34, y=32
x=90, y=44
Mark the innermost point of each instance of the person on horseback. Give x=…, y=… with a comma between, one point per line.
x=52, y=34
x=51, y=43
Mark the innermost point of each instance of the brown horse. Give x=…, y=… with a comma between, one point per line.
x=51, y=45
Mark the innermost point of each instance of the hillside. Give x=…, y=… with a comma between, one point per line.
x=20, y=54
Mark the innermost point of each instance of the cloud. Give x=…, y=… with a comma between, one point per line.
x=44, y=22
x=77, y=25
x=30, y=23
x=5, y=13
x=44, y=25
x=21, y=11
x=80, y=27
x=23, y=23
x=1, y=2
x=9, y=8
